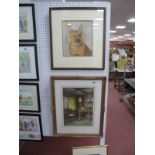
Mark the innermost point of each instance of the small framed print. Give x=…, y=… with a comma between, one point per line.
x=77, y=38
x=91, y=150
x=28, y=62
x=78, y=106
x=30, y=127
x=27, y=27
x=29, y=98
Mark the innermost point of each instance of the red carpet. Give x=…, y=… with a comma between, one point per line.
x=119, y=134
x=57, y=146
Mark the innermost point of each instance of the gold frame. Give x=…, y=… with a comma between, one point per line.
x=94, y=146
x=55, y=133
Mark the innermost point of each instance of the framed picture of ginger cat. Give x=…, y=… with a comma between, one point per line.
x=77, y=38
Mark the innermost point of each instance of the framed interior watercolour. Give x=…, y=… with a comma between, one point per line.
x=77, y=38
x=78, y=106
x=30, y=127
x=29, y=98
x=28, y=62
x=91, y=150
x=27, y=27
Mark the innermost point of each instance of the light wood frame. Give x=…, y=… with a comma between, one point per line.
x=102, y=108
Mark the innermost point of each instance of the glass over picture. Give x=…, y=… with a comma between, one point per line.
x=24, y=62
x=78, y=106
x=28, y=124
x=25, y=97
x=77, y=38
x=23, y=23
x=29, y=128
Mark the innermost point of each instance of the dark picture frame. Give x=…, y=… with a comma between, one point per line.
x=60, y=111
x=28, y=125
x=78, y=25
x=27, y=23
x=29, y=97
x=28, y=62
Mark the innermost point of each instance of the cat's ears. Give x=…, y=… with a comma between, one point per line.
x=80, y=28
x=69, y=27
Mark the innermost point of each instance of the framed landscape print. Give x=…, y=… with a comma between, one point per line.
x=30, y=127
x=27, y=27
x=28, y=62
x=78, y=106
x=91, y=150
x=77, y=38
x=29, y=98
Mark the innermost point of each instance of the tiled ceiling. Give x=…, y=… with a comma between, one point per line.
x=121, y=11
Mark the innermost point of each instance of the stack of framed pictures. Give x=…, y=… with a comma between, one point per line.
x=30, y=127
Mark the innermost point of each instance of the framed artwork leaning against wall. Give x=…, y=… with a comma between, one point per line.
x=78, y=105
x=77, y=38
x=91, y=150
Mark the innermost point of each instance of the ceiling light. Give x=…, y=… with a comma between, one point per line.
x=131, y=20
x=120, y=27
x=131, y=38
x=113, y=39
x=113, y=31
x=127, y=35
x=120, y=36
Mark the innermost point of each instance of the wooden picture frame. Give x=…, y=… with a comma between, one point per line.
x=29, y=97
x=77, y=38
x=91, y=150
x=30, y=127
x=28, y=62
x=27, y=25
x=78, y=105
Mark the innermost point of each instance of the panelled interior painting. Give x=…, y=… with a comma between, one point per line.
x=78, y=105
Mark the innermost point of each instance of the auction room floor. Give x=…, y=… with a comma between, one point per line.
x=120, y=134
